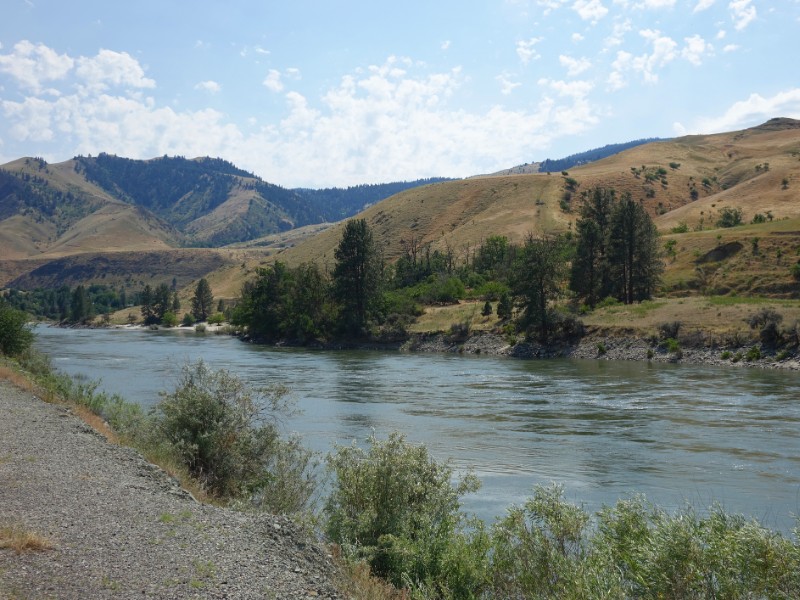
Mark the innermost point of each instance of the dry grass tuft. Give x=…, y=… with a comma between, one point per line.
x=22, y=540
x=16, y=378
x=357, y=583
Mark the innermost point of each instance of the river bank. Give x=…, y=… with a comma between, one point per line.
x=596, y=346
x=118, y=526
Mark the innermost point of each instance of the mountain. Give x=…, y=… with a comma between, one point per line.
x=687, y=180
x=49, y=212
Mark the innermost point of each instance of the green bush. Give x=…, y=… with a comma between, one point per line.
x=726, y=354
x=729, y=217
x=169, y=319
x=16, y=336
x=188, y=320
x=753, y=354
x=397, y=508
x=227, y=435
x=216, y=319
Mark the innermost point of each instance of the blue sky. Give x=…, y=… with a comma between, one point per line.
x=319, y=93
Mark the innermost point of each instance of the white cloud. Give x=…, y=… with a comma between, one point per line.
x=526, y=50
x=574, y=66
x=695, y=49
x=590, y=10
x=273, y=81
x=753, y=111
x=647, y=65
x=389, y=121
x=742, y=13
x=577, y=37
x=730, y=48
x=112, y=68
x=506, y=84
x=721, y=34
x=618, y=33
x=703, y=5
x=33, y=65
x=209, y=86
x=656, y=4
x=573, y=89
x=445, y=45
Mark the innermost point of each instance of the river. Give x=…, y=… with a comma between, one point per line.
x=605, y=430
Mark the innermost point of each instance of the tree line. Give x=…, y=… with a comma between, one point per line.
x=613, y=252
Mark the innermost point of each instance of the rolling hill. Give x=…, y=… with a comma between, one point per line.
x=686, y=183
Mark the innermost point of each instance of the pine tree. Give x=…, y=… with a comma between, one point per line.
x=357, y=277
x=202, y=301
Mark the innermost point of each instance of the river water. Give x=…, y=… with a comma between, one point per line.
x=605, y=430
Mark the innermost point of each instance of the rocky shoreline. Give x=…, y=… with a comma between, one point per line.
x=121, y=527
x=595, y=346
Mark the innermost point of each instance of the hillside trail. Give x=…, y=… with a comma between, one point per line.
x=121, y=527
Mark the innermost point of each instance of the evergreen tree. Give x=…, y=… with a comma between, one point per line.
x=505, y=307
x=162, y=301
x=539, y=272
x=617, y=250
x=202, y=301
x=357, y=277
x=590, y=277
x=80, y=306
x=634, y=256
x=146, y=298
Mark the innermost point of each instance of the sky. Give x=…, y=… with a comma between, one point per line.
x=318, y=94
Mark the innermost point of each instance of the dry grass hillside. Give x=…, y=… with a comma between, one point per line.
x=687, y=181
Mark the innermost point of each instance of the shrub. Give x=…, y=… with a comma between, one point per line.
x=188, y=320
x=795, y=271
x=601, y=348
x=487, y=309
x=216, y=319
x=669, y=329
x=169, y=319
x=227, y=435
x=16, y=336
x=397, y=508
x=753, y=354
x=726, y=355
x=729, y=217
x=672, y=346
x=200, y=328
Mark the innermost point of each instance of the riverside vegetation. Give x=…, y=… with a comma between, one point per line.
x=393, y=507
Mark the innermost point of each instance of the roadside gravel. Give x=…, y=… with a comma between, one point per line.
x=122, y=528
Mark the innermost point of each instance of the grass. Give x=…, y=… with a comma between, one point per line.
x=22, y=540
x=440, y=318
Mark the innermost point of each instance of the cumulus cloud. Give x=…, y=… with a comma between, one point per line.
x=618, y=33
x=590, y=10
x=695, y=49
x=656, y=4
x=33, y=65
x=111, y=68
x=754, y=110
x=730, y=48
x=574, y=66
x=647, y=65
x=742, y=13
x=577, y=37
x=703, y=5
x=212, y=87
x=507, y=85
x=388, y=121
x=273, y=81
x=526, y=50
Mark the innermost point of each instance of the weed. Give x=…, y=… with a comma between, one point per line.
x=753, y=354
x=22, y=540
x=726, y=355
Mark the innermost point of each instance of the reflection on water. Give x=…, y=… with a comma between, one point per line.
x=673, y=432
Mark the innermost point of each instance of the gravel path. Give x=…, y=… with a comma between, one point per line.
x=122, y=528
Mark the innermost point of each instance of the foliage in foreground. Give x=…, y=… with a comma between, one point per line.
x=16, y=336
x=212, y=430
x=396, y=508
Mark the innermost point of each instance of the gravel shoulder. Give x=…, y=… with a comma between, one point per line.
x=123, y=528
